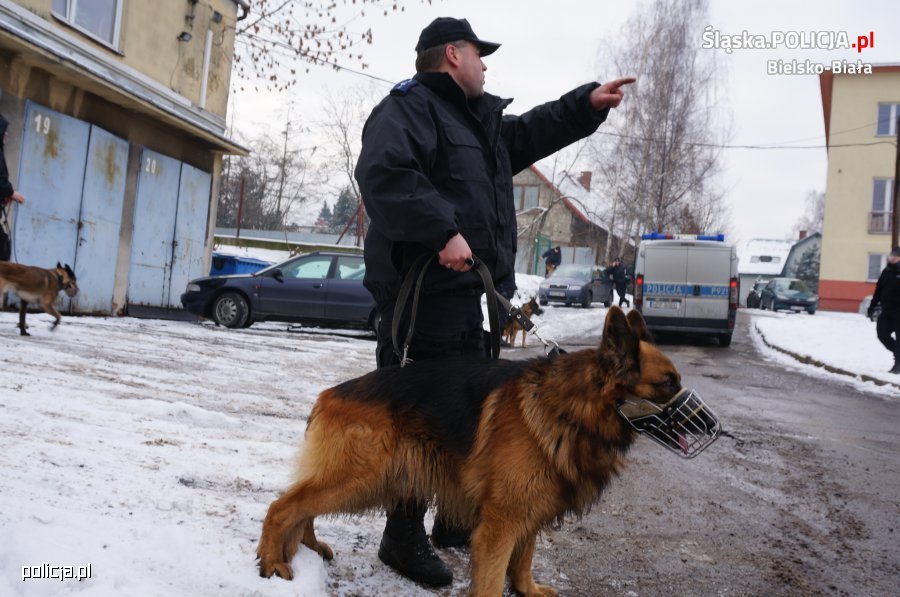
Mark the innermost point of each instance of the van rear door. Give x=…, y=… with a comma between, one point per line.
x=708, y=278
x=665, y=271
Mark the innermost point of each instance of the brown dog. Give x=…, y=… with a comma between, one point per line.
x=512, y=328
x=506, y=448
x=37, y=285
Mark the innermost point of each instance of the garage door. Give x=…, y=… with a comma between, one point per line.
x=170, y=218
x=73, y=177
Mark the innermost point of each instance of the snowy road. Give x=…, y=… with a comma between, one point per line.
x=150, y=451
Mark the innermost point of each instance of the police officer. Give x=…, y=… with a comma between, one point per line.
x=8, y=195
x=435, y=172
x=552, y=259
x=616, y=272
x=887, y=294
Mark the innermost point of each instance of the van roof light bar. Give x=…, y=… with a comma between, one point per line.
x=661, y=236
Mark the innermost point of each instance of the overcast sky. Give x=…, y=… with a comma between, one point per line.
x=549, y=47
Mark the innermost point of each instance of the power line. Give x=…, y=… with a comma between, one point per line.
x=766, y=147
x=287, y=51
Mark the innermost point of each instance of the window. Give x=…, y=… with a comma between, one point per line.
x=97, y=18
x=764, y=259
x=882, y=206
x=350, y=268
x=877, y=261
x=887, y=119
x=313, y=268
x=525, y=197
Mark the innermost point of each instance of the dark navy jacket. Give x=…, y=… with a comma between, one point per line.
x=887, y=290
x=6, y=188
x=433, y=164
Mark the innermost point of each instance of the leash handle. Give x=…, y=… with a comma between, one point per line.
x=413, y=280
x=413, y=283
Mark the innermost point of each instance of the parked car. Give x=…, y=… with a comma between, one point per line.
x=788, y=293
x=321, y=288
x=755, y=293
x=582, y=284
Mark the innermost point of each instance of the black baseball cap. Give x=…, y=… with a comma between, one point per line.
x=443, y=30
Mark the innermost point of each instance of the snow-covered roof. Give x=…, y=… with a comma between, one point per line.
x=762, y=256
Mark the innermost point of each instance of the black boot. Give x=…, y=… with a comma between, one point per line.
x=444, y=534
x=896, y=368
x=405, y=547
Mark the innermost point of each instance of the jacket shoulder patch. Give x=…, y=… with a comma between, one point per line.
x=403, y=87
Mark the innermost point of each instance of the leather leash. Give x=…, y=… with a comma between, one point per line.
x=413, y=283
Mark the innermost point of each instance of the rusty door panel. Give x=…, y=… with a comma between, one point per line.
x=100, y=223
x=190, y=231
x=51, y=177
x=154, y=229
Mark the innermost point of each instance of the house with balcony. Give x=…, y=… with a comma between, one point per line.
x=116, y=138
x=861, y=113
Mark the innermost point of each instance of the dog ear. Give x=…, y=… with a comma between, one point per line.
x=70, y=272
x=58, y=265
x=620, y=345
x=639, y=326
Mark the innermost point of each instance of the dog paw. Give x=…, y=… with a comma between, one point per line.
x=542, y=591
x=324, y=550
x=282, y=569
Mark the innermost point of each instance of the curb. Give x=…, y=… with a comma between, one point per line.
x=807, y=360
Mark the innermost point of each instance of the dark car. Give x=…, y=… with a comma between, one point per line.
x=788, y=293
x=755, y=293
x=322, y=288
x=581, y=284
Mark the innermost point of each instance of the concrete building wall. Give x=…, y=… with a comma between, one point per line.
x=144, y=87
x=148, y=42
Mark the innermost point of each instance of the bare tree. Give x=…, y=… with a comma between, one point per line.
x=664, y=136
x=278, y=39
x=812, y=218
x=275, y=178
x=341, y=132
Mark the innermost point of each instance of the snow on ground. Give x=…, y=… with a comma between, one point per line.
x=845, y=341
x=150, y=450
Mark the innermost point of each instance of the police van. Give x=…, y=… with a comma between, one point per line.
x=687, y=283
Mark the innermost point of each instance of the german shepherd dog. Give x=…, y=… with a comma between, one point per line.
x=37, y=285
x=506, y=448
x=513, y=328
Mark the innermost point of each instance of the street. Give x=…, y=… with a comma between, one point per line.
x=799, y=498
x=151, y=450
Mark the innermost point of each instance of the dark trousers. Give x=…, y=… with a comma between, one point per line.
x=620, y=290
x=445, y=326
x=889, y=323
x=5, y=245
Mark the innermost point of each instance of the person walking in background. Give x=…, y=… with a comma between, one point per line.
x=887, y=294
x=435, y=173
x=616, y=272
x=552, y=259
x=8, y=195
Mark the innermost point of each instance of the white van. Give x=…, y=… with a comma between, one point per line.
x=687, y=283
